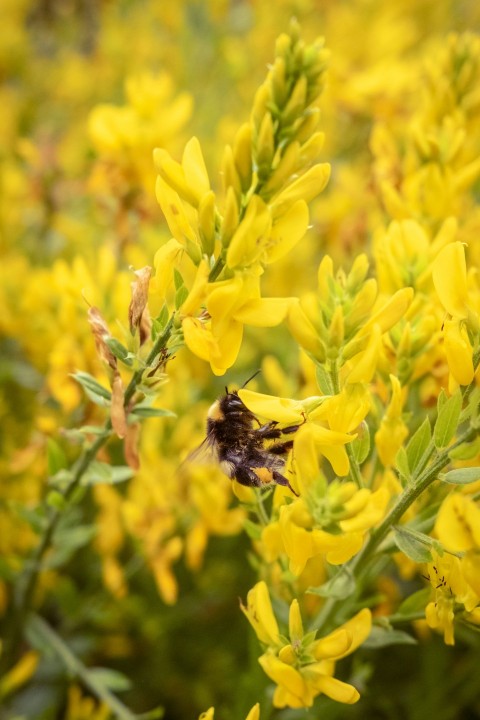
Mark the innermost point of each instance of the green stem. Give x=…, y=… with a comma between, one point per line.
x=407, y=497
x=79, y=670
x=28, y=582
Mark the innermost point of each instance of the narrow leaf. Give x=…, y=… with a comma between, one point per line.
x=180, y=296
x=418, y=444
x=341, y=586
x=96, y=392
x=56, y=459
x=111, y=679
x=100, y=472
x=361, y=445
x=415, y=602
x=401, y=463
x=145, y=411
x=461, y=476
x=253, y=530
x=324, y=381
x=447, y=420
x=382, y=637
x=119, y=350
x=414, y=545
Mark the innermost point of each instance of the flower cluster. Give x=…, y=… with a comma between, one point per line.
x=269, y=175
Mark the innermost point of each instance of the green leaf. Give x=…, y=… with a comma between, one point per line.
x=461, y=476
x=415, y=602
x=324, y=381
x=418, y=444
x=361, y=445
x=56, y=500
x=120, y=351
x=401, y=463
x=447, y=420
x=341, y=586
x=56, y=459
x=177, y=279
x=111, y=679
x=413, y=544
x=96, y=392
x=102, y=473
x=67, y=541
x=159, y=323
x=146, y=411
x=465, y=451
x=384, y=636
x=253, y=530
x=180, y=296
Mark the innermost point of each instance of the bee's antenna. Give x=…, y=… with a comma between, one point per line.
x=251, y=378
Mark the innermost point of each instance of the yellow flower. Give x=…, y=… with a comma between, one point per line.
x=20, y=673
x=459, y=351
x=450, y=586
x=393, y=430
x=449, y=273
x=216, y=335
x=458, y=523
x=254, y=713
x=303, y=667
x=259, y=613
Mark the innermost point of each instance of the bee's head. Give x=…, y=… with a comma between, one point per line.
x=228, y=404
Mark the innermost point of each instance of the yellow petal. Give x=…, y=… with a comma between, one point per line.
x=263, y=312
x=166, y=258
x=254, y=713
x=345, y=548
x=337, y=690
x=458, y=523
x=194, y=168
x=459, y=351
x=249, y=240
x=285, y=676
x=223, y=297
x=198, y=338
x=259, y=613
x=365, y=363
x=306, y=187
x=391, y=312
x=295, y=627
x=283, y=410
x=287, y=231
x=332, y=646
x=449, y=273
x=198, y=291
x=304, y=332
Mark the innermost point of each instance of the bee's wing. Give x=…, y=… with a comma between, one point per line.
x=203, y=454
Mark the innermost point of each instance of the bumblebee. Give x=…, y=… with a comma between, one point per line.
x=253, y=456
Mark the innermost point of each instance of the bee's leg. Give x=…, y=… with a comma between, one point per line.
x=282, y=480
x=246, y=476
x=281, y=448
x=269, y=431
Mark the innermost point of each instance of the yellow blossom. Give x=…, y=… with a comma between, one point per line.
x=302, y=667
x=393, y=431
x=449, y=272
x=259, y=613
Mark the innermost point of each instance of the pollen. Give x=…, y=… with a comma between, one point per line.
x=264, y=475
